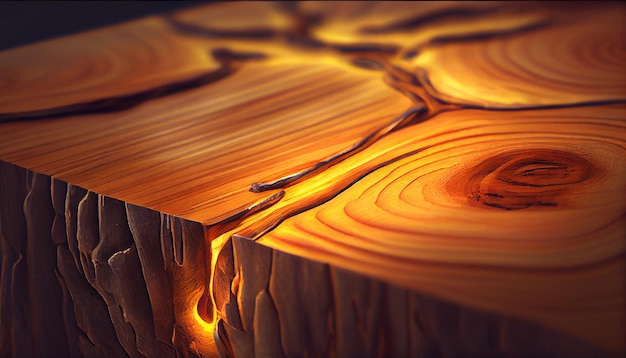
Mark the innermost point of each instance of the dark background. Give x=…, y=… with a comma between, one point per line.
x=23, y=22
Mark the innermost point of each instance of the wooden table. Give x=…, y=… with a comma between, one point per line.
x=318, y=179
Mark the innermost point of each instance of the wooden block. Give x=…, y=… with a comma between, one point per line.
x=317, y=179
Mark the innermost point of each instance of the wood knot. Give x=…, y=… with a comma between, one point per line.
x=524, y=178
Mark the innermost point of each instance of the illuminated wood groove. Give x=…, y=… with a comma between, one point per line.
x=134, y=131
x=347, y=179
x=556, y=119
x=449, y=183
x=424, y=89
x=326, y=235
x=412, y=116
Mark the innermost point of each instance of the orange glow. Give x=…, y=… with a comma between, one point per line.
x=473, y=155
x=203, y=331
x=200, y=331
x=205, y=327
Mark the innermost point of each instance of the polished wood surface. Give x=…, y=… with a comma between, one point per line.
x=195, y=154
x=524, y=217
x=474, y=152
x=580, y=60
x=88, y=69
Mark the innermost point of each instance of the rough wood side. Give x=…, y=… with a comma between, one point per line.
x=115, y=293
x=344, y=314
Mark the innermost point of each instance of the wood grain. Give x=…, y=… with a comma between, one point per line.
x=248, y=19
x=421, y=179
x=580, y=59
x=195, y=154
x=524, y=216
x=98, y=69
x=400, y=27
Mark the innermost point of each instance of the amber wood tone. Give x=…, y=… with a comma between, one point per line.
x=312, y=179
x=98, y=68
x=551, y=194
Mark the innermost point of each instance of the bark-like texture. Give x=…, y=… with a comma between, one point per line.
x=87, y=275
x=308, y=309
x=471, y=154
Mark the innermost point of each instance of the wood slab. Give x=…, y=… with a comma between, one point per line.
x=318, y=179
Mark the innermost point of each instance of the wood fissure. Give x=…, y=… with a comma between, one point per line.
x=316, y=179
